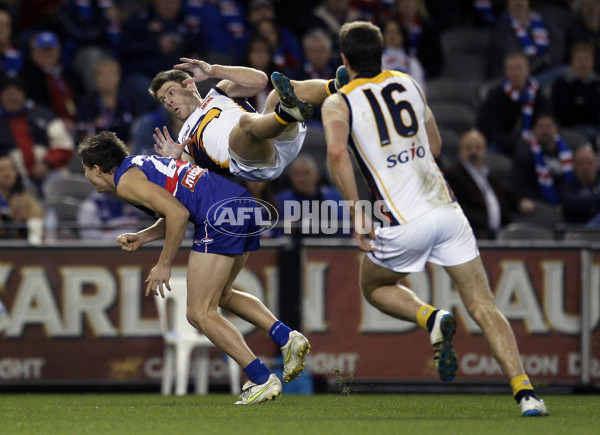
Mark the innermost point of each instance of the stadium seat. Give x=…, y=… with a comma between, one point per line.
x=66, y=209
x=458, y=117
x=452, y=90
x=499, y=165
x=67, y=186
x=465, y=53
x=181, y=339
x=583, y=234
x=466, y=40
x=525, y=231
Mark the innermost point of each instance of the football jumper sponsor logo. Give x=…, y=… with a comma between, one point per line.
x=191, y=177
x=205, y=102
x=406, y=155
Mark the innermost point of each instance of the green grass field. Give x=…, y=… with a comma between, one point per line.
x=291, y=414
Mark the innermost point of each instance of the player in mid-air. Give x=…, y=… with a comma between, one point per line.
x=385, y=118
x=222, y=132
x=179, y=192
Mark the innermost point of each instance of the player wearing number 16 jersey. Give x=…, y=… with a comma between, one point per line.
x=385, y=119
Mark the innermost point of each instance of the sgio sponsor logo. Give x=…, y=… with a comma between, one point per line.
x=406, y=156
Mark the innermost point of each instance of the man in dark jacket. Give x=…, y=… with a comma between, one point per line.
x=486, y=201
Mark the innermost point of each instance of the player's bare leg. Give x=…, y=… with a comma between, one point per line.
x=312, y=91
x=251, y=309
x=251, y=139
x=472, y=284
x=382, y=289
x=245, y=305
x=206, y=277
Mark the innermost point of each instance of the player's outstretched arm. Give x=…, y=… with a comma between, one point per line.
x=135, y=188
x=236, y=81
x=133, y=241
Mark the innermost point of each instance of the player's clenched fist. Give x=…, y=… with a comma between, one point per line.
x=129, y=242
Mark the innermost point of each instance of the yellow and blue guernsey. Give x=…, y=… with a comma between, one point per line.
x=388, y=138
x=222, y=211
x=209, y=127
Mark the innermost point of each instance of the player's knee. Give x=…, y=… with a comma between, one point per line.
x=246, y=123
x=225, y=297
x=367, y=289
x=197, y=319
x=481, y=311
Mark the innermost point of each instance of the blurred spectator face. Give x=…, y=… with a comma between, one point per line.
x=338, y=7
x=107, y=76
x=167, y=9
x=12, y=98
x=266, y=29
x=589, y=9
x=408, y=9
x=304, y=176
x=392, y=34
x=582, y=62
x=260, y=10
x=5, y=28
x=45, y=50
x=516, y=70
x=8, y=173
x=472, y=148
x=260, y=54
x=317, y=49
x=585, y=165
x=544, y=130
x=517, y=8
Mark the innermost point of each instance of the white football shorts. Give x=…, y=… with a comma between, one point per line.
x=285, y=153
x=442, y=236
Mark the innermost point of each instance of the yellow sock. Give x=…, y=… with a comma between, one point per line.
x=281, y=120
x=330, y=87
x=519, y=383
x=424, y=314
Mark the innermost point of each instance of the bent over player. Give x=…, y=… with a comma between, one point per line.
x=394, y=137
x=179, y=192
x=222, y=132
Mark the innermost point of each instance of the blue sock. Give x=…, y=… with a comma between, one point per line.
x=280, y=333
x=257, y=372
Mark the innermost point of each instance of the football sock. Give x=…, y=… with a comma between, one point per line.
x=331, y=87
x=521, y=387
x=524, y=393
x=283, y=117
x=426, y=316
x=280, y=333
x=257, y=372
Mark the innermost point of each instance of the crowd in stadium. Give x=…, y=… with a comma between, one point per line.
x=514, y=86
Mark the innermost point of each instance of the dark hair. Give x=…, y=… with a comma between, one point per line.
x=104, y=149
x=6, y=82
x=172, y=75
x=19, y=186
x=362, y=44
